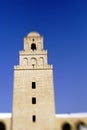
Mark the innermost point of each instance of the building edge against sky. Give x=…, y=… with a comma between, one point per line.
x=33, y=93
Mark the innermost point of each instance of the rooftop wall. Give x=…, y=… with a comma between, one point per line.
x=5, y=118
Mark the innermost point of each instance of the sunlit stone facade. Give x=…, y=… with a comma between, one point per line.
x=33, y=94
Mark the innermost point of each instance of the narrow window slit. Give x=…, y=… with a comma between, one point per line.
x=34, y=118
x=33, y=100
x=33, y=85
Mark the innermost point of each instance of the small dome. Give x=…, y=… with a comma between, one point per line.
x=32, y=34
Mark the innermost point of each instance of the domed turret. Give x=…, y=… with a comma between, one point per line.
x=33, y=42
x=33, y=34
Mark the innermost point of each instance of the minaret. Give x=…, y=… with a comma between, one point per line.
x=33, y=94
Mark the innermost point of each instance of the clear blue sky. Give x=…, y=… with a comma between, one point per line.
x=63, y=23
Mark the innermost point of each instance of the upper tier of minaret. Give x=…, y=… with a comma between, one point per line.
x=33, y=55
x=33, y=42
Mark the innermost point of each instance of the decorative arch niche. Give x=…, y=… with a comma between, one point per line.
x=33, y=62
x=41, y=61
x=25, y=61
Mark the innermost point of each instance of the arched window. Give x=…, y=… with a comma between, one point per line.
x=2, y=126
x=33, y=46
x=66, y=126
x=81, y=126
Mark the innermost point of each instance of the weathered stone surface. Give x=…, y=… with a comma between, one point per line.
x=39, y=114
x=33, y=67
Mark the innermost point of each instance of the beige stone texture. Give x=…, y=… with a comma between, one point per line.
x=33, y=67
x=73, y=121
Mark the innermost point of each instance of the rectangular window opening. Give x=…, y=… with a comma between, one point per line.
x=34, y=118
x=33, y=100
x=33, y=85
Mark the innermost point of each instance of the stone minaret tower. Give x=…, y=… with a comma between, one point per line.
x=33, y=95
